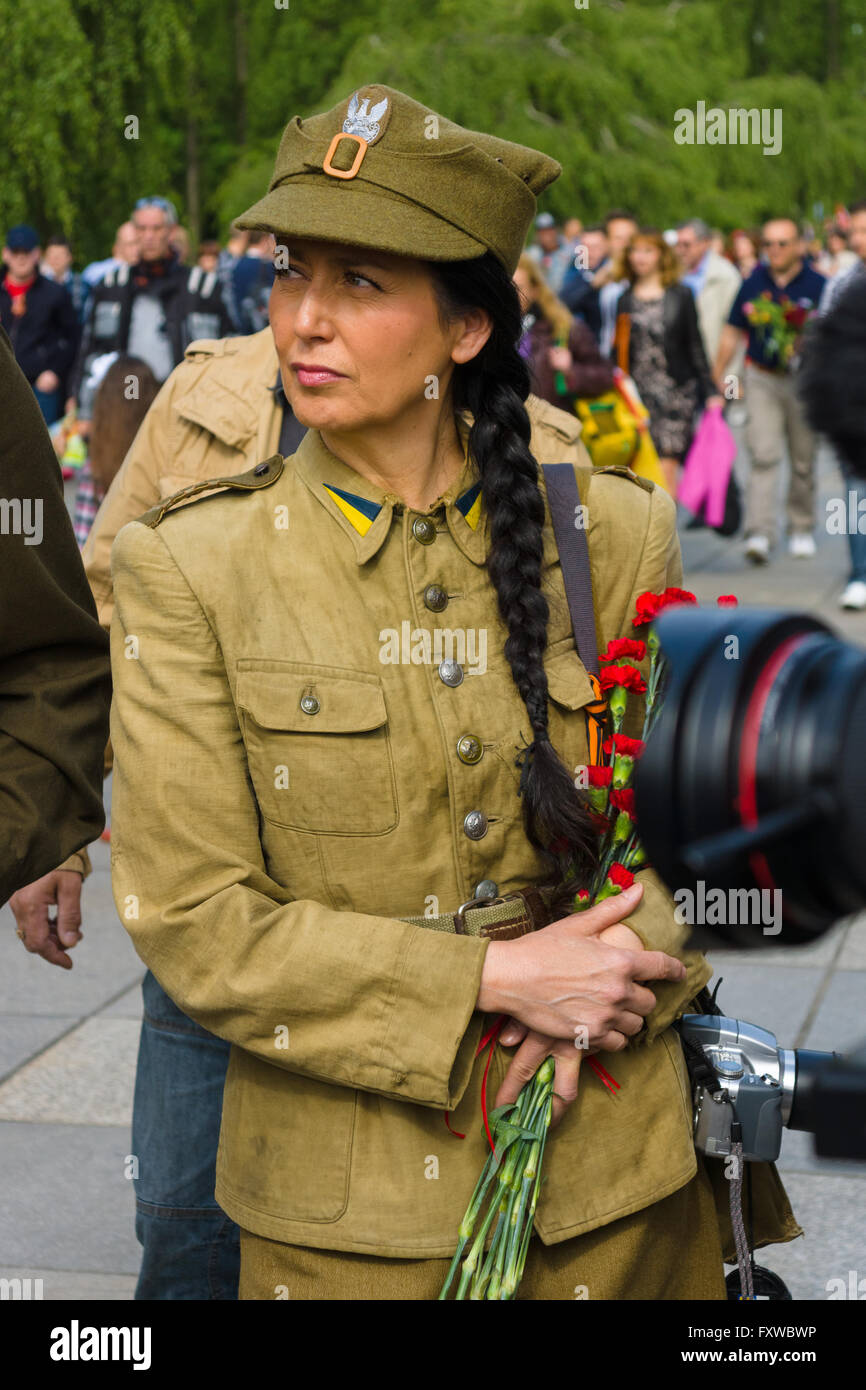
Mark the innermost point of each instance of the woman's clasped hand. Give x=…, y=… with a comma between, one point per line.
x=575, y=987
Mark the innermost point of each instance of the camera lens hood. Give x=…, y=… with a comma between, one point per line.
x=754, y=775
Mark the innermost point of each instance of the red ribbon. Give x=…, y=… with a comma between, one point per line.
x=490, y=1039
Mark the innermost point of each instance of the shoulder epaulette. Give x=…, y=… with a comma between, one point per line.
x=263, y=475
x=622, y=472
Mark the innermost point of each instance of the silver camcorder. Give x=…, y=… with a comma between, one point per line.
x=739, y=1073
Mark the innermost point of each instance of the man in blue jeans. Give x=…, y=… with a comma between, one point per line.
x=190, y=1248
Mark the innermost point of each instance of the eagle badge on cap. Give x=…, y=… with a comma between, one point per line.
x=360, y=122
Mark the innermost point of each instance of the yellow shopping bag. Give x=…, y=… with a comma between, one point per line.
x=616, y=430
x=646, y=461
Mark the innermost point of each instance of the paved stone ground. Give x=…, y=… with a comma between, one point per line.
x=68, y=1039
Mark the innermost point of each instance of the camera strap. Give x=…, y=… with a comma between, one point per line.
x=565, y=503
x=567, y=512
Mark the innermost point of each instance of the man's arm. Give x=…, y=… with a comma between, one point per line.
x=728, y=343
x=54, y=675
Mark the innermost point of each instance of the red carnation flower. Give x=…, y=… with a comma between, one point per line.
x=625, y=747
x=599, y=776
x=623, y=800
x=647, y=606
x=623, y=878
x=672, y=596
x=623, y=647
x=727, y=601
x=629, y=677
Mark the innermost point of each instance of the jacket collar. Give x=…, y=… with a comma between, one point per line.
x=364, y=512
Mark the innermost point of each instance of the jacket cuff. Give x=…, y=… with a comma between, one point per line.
x=654, y=921
x=436, y=1046
x=78, y=863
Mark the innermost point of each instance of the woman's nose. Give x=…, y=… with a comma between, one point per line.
x=312, y=314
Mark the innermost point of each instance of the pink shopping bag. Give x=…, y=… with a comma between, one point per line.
x=707, y=469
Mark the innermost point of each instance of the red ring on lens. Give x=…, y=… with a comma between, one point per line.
x=747, y=781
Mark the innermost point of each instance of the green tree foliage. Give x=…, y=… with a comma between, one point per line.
x=212, y=83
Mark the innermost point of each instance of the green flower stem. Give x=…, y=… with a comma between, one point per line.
x=468, y=1223
x=504, y=1180
x=489, y=1269
x=530, y=1216
x=515, y=1234
x=476, y=1251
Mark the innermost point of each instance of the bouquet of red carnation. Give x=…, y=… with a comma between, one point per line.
x=517, y=1133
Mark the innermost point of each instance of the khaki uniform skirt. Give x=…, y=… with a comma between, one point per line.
x=670, y=1250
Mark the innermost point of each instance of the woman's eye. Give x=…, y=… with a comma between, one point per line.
x=354, y=277
x=357, y=278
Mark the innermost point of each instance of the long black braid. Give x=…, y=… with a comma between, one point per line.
x=494, y=386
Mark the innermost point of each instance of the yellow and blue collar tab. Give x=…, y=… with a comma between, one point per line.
x=361, y=512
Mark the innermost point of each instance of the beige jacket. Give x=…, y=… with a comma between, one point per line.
x=283, y=796
x=717, y=294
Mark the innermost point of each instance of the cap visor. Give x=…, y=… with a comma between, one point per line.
x=348, y=212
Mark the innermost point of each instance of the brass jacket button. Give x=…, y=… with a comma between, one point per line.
x=470, y=749
x=435, y=598
x=309, y=704
x=450, y=673
x=475, y=825
x=424, y=530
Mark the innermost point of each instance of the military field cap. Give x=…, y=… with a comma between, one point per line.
x=382, y=171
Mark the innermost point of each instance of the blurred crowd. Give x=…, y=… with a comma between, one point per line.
x=692, y=318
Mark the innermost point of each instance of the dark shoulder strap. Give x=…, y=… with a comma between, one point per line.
x=568, y=516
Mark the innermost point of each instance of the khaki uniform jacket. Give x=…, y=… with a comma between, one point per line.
x=284, y=792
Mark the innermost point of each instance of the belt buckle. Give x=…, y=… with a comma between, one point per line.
x=489, y=901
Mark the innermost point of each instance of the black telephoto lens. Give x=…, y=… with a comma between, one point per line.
x=753, y=781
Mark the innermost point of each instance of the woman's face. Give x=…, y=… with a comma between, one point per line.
x=358, y=335
x=644, y=257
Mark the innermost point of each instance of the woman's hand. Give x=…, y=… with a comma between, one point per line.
x=567, y=1058
x=714, y=403
x=565, y=981
x=560, y=359
x=525, y=1063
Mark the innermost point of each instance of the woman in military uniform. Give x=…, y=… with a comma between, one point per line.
x=348, y=710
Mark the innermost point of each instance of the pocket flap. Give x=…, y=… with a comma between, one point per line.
x=568, y=680
x=336, y=704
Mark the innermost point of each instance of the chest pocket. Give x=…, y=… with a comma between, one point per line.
x=318, y=749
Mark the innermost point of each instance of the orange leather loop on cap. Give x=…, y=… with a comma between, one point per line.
x=356, y=163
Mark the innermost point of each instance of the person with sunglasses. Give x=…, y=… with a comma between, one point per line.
x=776, y=419
x=153, y=309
